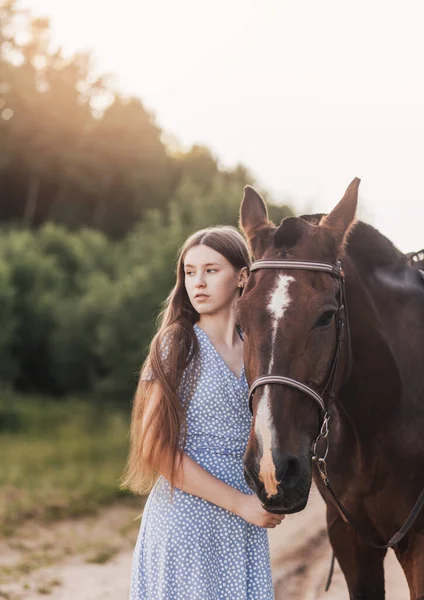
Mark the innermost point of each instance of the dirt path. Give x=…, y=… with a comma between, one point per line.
x=90, y=559
x=80, y=559
x=301, y=556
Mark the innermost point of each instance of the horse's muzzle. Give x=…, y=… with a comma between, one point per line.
x=292, y=491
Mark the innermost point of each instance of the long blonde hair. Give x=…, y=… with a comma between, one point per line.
x=166, y=422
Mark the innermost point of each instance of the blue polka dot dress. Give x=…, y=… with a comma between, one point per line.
x=187, y=547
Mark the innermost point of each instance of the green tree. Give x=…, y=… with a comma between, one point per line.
x=8, y=322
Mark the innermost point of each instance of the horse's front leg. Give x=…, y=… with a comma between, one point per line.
x=361, y=564
x=410, y=553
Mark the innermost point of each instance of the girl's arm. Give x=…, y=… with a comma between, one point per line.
x=193, y=479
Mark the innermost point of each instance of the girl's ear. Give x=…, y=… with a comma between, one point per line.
x=243, y=275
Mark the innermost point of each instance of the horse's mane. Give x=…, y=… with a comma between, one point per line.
x=366, y=246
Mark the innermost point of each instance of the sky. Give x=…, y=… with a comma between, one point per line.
x=308, y=94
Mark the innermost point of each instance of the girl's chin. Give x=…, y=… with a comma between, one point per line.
x=203, y=310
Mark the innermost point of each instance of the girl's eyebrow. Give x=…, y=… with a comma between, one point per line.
x=205, y=265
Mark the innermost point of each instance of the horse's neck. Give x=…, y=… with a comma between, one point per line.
x=372, y=394
x=391, y=304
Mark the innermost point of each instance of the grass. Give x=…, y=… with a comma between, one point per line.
x=59, y=458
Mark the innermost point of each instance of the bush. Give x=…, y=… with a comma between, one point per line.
x=78, y=311
x=8, y=322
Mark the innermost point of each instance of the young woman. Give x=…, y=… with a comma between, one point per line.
x=203, y=533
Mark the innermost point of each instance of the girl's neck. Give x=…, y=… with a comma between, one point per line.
x=220, y=328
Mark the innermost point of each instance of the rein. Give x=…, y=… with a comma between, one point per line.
x=343, y=339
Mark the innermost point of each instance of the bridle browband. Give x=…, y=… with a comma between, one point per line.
x=343, y=338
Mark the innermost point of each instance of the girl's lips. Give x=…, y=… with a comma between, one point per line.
x=201, y=296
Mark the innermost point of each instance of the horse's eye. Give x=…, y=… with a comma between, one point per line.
x=325, y=319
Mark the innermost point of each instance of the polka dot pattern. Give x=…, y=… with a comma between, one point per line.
x=187, y=547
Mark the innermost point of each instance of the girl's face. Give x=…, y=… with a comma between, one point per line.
x=212, y=283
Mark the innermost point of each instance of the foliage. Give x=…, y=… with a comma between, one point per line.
x=79, y=309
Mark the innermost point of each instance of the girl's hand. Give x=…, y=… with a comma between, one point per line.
x=250, y=509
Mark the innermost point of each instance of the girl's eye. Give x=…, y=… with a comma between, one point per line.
x=325, y=319
x=207, y=270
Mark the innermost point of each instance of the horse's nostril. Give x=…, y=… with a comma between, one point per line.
x=293, y=472
x=289, y=473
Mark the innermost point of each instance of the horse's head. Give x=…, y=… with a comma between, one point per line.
x=288, y=317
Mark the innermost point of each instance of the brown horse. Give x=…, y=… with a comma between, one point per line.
x=370, y=381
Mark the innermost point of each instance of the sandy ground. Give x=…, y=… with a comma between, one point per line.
x=301, y=557
x=95, y=559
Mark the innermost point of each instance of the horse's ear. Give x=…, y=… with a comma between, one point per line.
x=343, y=215
x=253, y=212
x=253, y=217
x=290, y=231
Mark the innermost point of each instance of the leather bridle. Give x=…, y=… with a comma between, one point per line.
x=328, y=394
x=343, y=339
